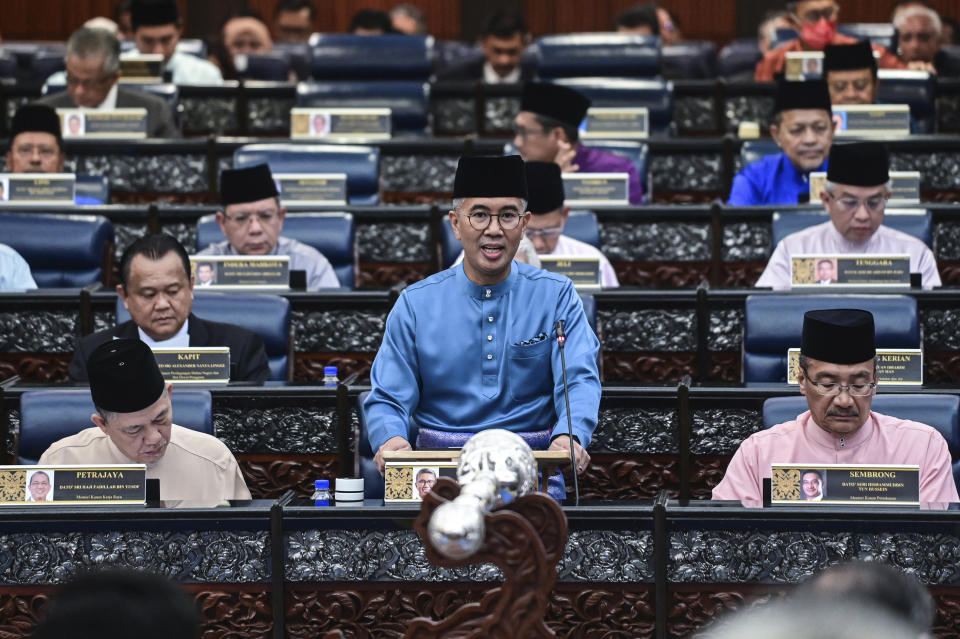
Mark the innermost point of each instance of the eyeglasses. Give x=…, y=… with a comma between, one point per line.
x=851, y=204
x=923, y=37
x=524, y=132
x=27, y=150
x=828, y=14
x=832, y=389
x=480, y=220
x=87, y=83
x=264, y=217
x=547, y=232
x=426, y=482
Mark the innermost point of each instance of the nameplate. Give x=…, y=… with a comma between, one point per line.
x=905, y=187
x=194, y=365
x=808, y=271
x=903, y=366
x=141, y=69
x=845, y=484
x=584, y=271
x=616, y=123
x=238, y=272
x=871, y=119
x=369, y=123
x=73, y=484
x=803, y=65
x=312, y=188
x=113, y=124
x=596, y=189
x=37, y=188
x=406, y=482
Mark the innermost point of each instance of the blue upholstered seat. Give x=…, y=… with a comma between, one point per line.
x=882, y=33
x=656, y=95
x=689, y=60
x=917, y=89
x=94, y=186
x=271, y=67
x=338, y=56
x=408, y=100
x=738, y=60
x=599, y=54
x=919, y=226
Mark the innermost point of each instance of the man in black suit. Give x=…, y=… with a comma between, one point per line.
x=157, y=289
x=93, y=69
x=503, y=39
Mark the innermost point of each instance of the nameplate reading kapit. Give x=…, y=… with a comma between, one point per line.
x=37, y=188
x=141, y=69
x=584, y=271
x=866, y=484
x=312, y=188
x=803, y=65
x=593, y=189
x=871, y=119
x=369, y=123
x=112, y=124
x=407, y=482
x=850, y=270
x=194, y=365
x=905, y=187
x=903, y=366
x=239, y=272
x=616, y=123
x=73, y=484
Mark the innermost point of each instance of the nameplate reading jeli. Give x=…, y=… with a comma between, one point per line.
x=368, y=123
x=312, y=188
x=73, y=484
x=37, y=188
x=584, y=271
x=593, y=189
x=194, y=365
x=239, y=272
x=881, y=485
x=902, y=366
x=850, y=270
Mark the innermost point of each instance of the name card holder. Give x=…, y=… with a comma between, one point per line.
x=114, y=124
x=863, y=484
x=630, y=123
x=583, y=271
x=596, y=189
x=850, y=271
x=800, y=66
x=73, y=484
x=871, y=120
x=900, y=366
x=240, y=272
x=144, y=68
x=194, y=365
x=37, y=188
x=322, y=189
x=322, y=122
x=905, y=187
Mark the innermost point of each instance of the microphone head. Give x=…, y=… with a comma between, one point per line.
x=559, y=328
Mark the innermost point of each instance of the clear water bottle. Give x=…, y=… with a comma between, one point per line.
x=330, y=376
x=321, y=492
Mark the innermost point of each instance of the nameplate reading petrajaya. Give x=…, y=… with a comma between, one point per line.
x=904, y=188
x=194, y=365
x=583, y=271
x=37, y=188
x=73, y=484
x=312, y=188
x=596, y=189
x=240, y=272
x=366, y=123
x=145, y=68
x=113, y=124
x=901, y=366
x=616, y=123
x=850, y=270
x=866, y=484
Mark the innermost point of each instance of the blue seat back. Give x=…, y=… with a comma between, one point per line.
x=360, y=163
x=755, y=150
x=407, y=99
x=47, y=62
x=739, y=59
x=338, y=56
x=270, y=67
x=47, y=416
x=689, y=60
x=63, y=251
x=882, y=33
x=333, y=234
x=656, y=95
x=266, y=315
x=94, y=186
x=917, y=89
x=298, y=53
x=774, y=323
x=599, y=54
x=8, y=65
x=590, y=310
x=782, y=36
x=787, y=222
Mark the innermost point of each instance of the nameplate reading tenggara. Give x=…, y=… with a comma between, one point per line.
x=596, y=189
x=905, y=188
x=616, y=123
x=112, y=124
x=195, y=365
x=850, y=270
x=37, y=188
x=871, y=119
x=367, y=123
x=803, y=65
x=240, y=272
x=73, y=484
x=312, y=188
x=583, y=271
x=902, y=366
x=141, y=69
x=872, y=485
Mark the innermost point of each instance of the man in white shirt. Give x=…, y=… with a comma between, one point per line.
x=855, y=196
x=157, y=29
x=14, y=271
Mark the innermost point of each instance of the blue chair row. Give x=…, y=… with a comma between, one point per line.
x=918, y=225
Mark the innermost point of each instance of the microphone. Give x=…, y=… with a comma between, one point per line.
x=561, y=340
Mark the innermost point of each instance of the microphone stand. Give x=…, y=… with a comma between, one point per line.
x=561, y=340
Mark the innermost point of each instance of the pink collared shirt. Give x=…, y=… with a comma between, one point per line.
x=881, y=440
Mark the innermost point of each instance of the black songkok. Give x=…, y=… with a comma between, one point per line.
x=812, y=94
x=486, y=176
x=151, y=13
x=554, y=101
x=838, y=336
x=858, y=164
x=36, y=117
x=124, y=376
x=247, y=185
x=847, y=57
x=545, y=184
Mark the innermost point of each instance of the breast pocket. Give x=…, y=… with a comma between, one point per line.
x=530, y=373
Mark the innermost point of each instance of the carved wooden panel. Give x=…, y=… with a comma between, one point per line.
x=706, y=471
x=641, y=368
x=309, y=366
x=20, y=609
x=35, y=367
x=233, y=614
x=946, y=603
x=724, y=367
x=941, y=367
x=269, y=476
x=692, y=609
x=949, y=273
x=740, y=274
x=661, y=196
x=662, y=274
x=615, y=477
x=119, y=197
x=387, y=275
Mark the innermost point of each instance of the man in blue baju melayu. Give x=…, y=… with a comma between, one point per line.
x=473, y=347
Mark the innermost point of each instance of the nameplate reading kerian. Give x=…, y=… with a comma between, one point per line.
x=845, y=484
x=37, y=188
x=616, y=123
x=194, y=365
x=807, y=271
x=905, y=187
x=73, y=484
x=312, y=188
x=593, y=189
x=803, y=65
x=584, y=271
x=113, y=124
x=902, y=366
x=871, y=119
x=368, y=123
x=237, y=272
x=141, y=69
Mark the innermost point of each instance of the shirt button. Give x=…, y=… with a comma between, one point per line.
x=489, y=338
x=490, y=319
x=489, y=356
x=489, y=292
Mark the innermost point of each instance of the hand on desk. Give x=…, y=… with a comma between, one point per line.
x=580, y=454
x=394, y=443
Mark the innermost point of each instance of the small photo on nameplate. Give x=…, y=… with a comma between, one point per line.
x=146, y=68
x=323, y=122
x=407, y=482
x=803, y=65
x=240, y=272
x=865, y=120
x=312, y=188
x=864, y=484
x=73, y=484
x=37, y=188
x=113, y=124
x=850, y=271
x=596, y=189
x=194, y=365
x=899, y=366
x=616, y=123
x=583, y=271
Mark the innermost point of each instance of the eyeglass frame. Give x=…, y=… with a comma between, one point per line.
x=547, y=232
x=244, y=219
x=499, y=216
x=825, y=14
x=841, y=387
x=860, y=202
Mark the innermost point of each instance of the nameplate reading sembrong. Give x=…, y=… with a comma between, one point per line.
x=37, y=188
x=593, y=189
x=195, y=365
x=145, y=68
x=239, y=272
x=312, y=188
x=903, y=366
x=850, y=270
x=113, y=124
x=872, y=485
x=368, y=123
x=871, y=119
x=584, y=271
x=73, y=484
x=616, y=123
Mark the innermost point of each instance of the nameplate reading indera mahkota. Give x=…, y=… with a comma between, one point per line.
x=37, y=188
x=903, y=366
x=195, y=365
x=871, y=119
x=583, y=271
x=73, y=484
x=803, y=65
x=880, y=485
x=113, y=124
x=225, y=272
x=312, y=188
x=141, y=69
x=808, y=271
x=616, y=122
x=596, y=189
x=904, y=188
x=369, y=123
